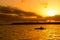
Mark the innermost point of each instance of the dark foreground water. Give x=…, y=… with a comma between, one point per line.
x=28, y=32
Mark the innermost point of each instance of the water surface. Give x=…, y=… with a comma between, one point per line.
x=28, y=32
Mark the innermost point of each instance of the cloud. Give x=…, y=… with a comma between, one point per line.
x=9, y=14
x=10, y=10
x=8, y=18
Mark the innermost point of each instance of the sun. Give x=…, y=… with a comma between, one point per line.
x=48, y=12
x=51, y=12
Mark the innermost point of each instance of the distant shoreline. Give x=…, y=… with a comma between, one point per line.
x=27, y=23
x=36, y=23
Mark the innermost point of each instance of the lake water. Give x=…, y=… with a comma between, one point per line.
x=28, y=32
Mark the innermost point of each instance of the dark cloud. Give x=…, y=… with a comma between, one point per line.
x=9, y=14
x=8, y=9
x=8, y=18
x=11, y=10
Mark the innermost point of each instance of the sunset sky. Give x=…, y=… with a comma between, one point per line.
x=37, y=6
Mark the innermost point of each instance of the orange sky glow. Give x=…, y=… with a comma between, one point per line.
x=41, y=7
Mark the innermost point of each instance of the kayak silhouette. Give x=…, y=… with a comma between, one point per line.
x=41, y=28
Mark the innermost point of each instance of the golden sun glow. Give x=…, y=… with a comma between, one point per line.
x=51, y=12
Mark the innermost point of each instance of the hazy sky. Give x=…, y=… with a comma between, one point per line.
x=33, y=5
